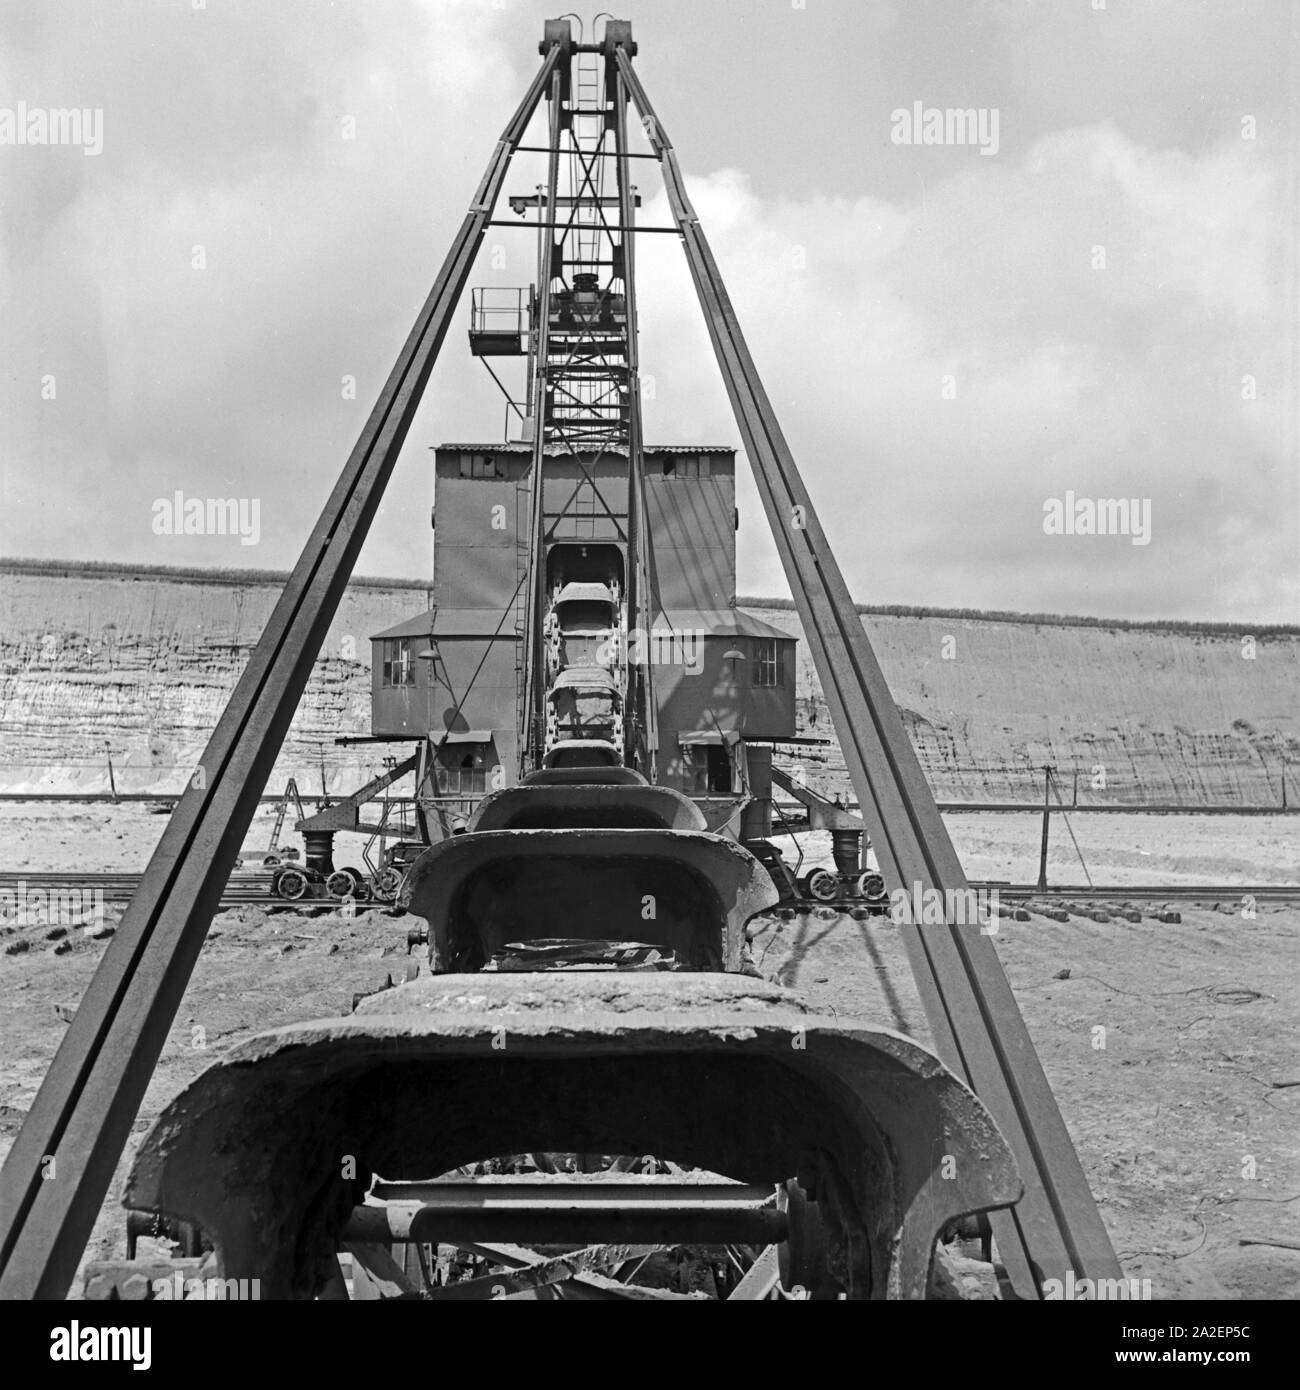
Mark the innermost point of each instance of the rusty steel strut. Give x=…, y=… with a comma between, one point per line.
x=977, y=1026
x=59, y=1169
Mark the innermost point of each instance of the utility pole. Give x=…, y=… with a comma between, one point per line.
x=1047, y=821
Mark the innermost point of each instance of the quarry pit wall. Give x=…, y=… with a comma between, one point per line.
x=137, y=663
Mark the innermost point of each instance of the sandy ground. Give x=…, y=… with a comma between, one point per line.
x=1184, y=1125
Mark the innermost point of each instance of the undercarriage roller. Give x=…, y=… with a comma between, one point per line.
x=347, y=884
x=821, y=885
x=291, y=883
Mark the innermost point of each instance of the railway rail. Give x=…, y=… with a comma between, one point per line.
x=255, y=888
x=1280, y=894
x=120, y=888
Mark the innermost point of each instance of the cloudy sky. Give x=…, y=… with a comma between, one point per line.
x=1102, y=301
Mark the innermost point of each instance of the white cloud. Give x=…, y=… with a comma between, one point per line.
x=1117, y=382
x=1123, y=381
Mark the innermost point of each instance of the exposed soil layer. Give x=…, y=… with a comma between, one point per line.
x=96, y=662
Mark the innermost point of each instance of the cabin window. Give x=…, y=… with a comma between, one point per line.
x=398, y=668
x=717, y=761
x=480, y=466
x=769, y=662
x=687, y=466
x=708, y=769
x=463, y=769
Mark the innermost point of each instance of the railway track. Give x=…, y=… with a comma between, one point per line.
x=1147, y=892
x=240, y=890
x=255, y=888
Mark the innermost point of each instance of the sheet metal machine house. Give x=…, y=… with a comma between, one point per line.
x=454, y=674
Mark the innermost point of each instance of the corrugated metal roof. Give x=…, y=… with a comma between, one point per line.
x=484, y=622
x=451, y=622
x=517, y=446
x=419, y=626
x=719, y=622
x=690, y=448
